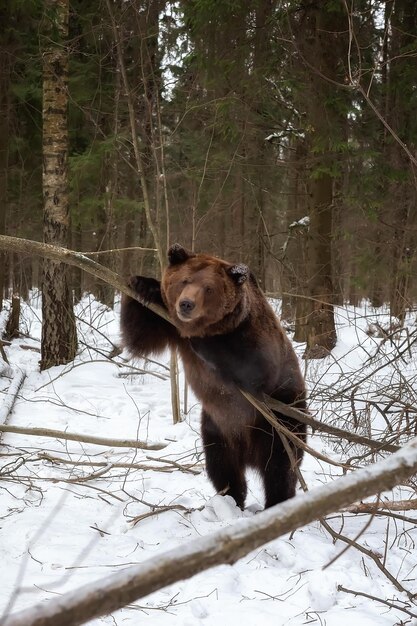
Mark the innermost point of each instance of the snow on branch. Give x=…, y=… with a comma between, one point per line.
x=225, y=546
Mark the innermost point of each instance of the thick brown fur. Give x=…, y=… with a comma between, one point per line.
x=229, y=339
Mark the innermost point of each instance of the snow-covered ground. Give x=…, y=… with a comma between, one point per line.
x=73, y=512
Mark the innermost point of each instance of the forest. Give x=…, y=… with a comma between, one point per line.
x=280, y=134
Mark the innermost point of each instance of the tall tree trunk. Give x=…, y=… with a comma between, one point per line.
x=5, y=57
x=59, y=338
x=321, y=331
x=321, y=32
x=400, y=208
x=102, y=291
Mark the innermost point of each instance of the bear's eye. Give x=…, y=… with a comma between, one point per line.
x=208, y=289
x=185, y=281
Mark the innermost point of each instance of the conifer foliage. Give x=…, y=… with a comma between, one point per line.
x=278, y=134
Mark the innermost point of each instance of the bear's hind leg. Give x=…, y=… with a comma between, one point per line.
x=223, y=464
x=275, y=467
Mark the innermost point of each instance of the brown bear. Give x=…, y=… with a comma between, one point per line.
x=229, y=339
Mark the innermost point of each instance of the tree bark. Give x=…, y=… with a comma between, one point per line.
x=59, y=337
x=319, y=37
x=400, y=205
x=5, y=61
x=321, y=331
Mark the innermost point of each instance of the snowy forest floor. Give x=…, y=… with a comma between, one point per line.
x=73, y=512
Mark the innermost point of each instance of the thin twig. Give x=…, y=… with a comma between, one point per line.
x=156, y=509
x=386, y=602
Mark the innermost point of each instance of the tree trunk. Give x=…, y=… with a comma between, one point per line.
x=321, y=331
x=12, y=326
x=4, y=151
x=59, y=338
x=102, y=291
x=401, y=197
x=320, y=37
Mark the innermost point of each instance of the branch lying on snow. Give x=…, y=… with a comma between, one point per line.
x=157, y=509
x=2, y=352
x=224, y=546
x=18, y=377
x=99, y=441
x=391, y=605
x=392, y=505
x=169, y=466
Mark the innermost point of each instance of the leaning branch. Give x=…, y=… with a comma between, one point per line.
x=305, y=418
x=77, y=259
x=225, y=546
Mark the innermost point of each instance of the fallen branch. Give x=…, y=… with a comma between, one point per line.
x=99, y=441
x=157, y=509
x=225, y=546
x=11, y=395
x=394, y=505
x=169, y=467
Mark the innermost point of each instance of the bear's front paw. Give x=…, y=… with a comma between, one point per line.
x=148, y=289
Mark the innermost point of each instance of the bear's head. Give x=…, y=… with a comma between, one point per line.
x=204, y=295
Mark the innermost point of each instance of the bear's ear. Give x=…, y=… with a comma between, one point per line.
x=239, y=273
x=178, y=254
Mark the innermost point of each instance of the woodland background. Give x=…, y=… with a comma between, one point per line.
x=280, y=134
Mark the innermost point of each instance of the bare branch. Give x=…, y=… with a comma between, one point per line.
x=99, y=441
x=291, y=411
x=77, y=259
x=391, y=605
x=391, y=505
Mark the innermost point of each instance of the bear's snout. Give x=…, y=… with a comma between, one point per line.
x=186, y=306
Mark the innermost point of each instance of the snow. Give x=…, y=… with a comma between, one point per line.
x=303, y=222
x=64, y=532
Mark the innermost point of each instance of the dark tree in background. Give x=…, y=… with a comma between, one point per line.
x=59, y=338
x=4, y=149
x=399, y=208
x=320, y=35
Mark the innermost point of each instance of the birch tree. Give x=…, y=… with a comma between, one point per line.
x=59, y=338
